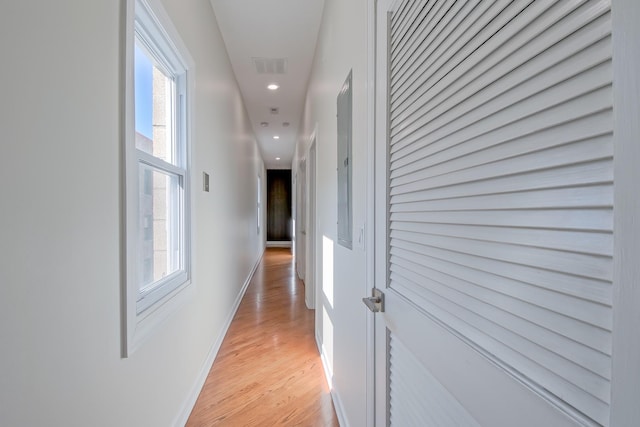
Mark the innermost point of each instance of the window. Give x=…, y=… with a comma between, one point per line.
x=157, y=169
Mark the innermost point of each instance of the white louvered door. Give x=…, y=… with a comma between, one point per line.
x=494, y=242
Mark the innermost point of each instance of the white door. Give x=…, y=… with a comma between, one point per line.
x=310, y=282
x=301, y=220
x=493, y=212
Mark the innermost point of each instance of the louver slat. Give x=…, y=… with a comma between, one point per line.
x=417, y=399
x=501, y=186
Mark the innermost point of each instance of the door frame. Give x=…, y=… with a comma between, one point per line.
x=311, y=238
x=370, y=397
x=379, y=279
x=301, y=227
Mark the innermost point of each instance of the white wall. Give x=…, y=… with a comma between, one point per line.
x=60, y=118
x=340, y=314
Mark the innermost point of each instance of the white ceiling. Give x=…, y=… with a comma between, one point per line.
x=271, y=29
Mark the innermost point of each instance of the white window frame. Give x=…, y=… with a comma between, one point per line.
x=147, y=22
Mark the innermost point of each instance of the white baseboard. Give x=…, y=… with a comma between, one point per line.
x=337, y=404
x=327, y=371
x=190, y=402
x=278, y=244
x=335, y=396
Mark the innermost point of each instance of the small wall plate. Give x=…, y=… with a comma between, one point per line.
x=205, y=182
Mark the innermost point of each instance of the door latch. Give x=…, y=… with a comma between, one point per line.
x=375, y=302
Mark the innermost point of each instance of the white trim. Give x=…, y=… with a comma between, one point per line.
x=335, y=396
x=311, y=237
x=259, y=204
x=369, y=224
x=148, y=320
x=328, y=374
x=379, y=228
x=294, y=212
x=278, y=244
x=625, y=410
x=136, y=326
x=159, y=164
x=337, y=405
x=300, y=233
x=190, y=401
x=160, y=15
x=126, y=162
x=311, y=241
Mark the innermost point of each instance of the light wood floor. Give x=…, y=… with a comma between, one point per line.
x=268, y=371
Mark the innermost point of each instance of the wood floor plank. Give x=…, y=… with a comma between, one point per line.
x=268, y=371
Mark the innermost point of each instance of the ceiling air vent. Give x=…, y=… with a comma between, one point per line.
x=270, y=65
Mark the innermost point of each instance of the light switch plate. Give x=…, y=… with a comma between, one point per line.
x=360, y=238
x=205, y=182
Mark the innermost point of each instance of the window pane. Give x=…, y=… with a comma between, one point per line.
x=154, y=112
x=160, y=230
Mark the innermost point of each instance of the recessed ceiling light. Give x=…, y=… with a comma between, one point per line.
x=286, y=124
x=277, y=158
x=273, y=86
x=276, y=137
x=264, y=124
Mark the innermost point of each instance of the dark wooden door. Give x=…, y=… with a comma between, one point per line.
x=278, y=205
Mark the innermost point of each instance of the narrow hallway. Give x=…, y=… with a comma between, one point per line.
x=268, y=370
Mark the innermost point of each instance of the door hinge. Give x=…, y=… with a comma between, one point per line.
x=375, y=302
